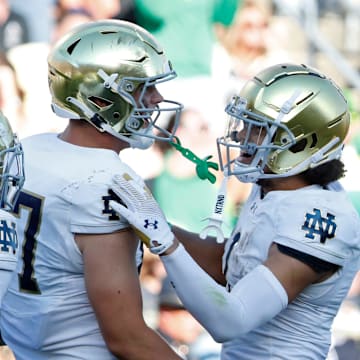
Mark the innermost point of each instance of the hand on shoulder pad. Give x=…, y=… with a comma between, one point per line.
x=141, y=210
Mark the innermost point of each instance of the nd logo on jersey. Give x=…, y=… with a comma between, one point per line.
x=315, y=224
x=8, y=237
x=107, y=209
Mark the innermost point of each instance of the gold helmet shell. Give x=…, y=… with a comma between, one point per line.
x=94, y=70
x=304, y=113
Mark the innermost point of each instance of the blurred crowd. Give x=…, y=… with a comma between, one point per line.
x=215, y=46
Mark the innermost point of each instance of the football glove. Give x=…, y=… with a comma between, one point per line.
x=140, y=209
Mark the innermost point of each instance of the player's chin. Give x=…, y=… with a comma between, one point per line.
x=245, y=158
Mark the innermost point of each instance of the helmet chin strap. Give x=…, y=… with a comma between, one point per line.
x=247, y=177
x=64, y=113
x=85, y=110
x=285, y=109
x=135, y=140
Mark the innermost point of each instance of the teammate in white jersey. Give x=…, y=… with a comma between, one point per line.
x=273, y=289
x=11, y=182
x=76, y=291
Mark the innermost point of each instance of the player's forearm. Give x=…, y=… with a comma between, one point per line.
x=207, y=253
x=225, y=315
x=142, y=345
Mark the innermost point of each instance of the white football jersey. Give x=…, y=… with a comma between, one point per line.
x=46, y=313
x=315, y=221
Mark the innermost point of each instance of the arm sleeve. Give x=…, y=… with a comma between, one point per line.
x=225, y=315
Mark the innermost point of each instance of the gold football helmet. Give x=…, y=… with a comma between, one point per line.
x=94, y=72
x=11, y=166
x=300, y=115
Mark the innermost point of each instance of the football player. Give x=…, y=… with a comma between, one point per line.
x=77, y=293
x=11, y=182
x=273, y=288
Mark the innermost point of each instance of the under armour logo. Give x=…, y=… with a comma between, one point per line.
x=315, y=224
x=149, y=224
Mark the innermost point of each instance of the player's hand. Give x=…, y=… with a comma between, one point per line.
x=142, y=212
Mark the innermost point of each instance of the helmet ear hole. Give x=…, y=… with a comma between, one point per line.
x=99, y=102
x=314, y=140
x=299, y=146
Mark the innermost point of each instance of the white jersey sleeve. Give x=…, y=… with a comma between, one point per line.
x=90, y=210
x=320, y=223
